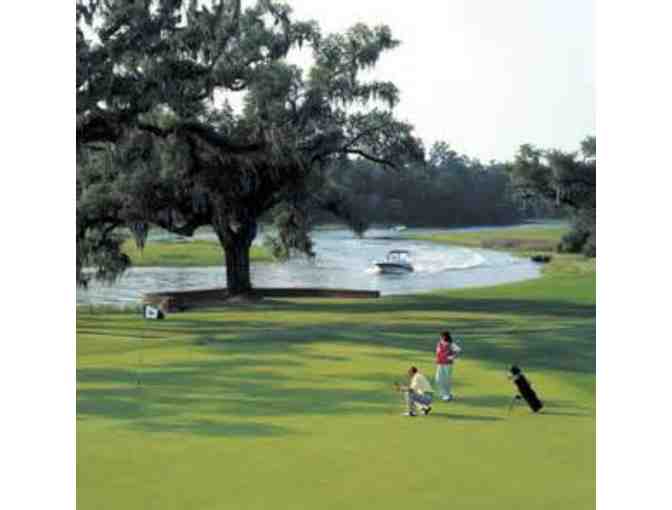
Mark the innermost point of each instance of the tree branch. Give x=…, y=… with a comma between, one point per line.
x=187, y=229
x=205, y=134
x=363, y=154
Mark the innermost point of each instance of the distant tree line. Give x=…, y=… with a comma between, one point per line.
x=451, y=190
x=446, y=190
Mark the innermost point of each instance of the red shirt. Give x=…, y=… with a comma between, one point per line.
x=444, y=353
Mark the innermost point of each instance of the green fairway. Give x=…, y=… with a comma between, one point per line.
x=192, y=253
x=288, y=405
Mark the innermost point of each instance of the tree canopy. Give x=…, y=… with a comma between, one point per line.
x=567, y=178
x=159, y=142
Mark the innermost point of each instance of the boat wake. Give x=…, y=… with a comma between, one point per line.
x=431, y=262
x=440, y=262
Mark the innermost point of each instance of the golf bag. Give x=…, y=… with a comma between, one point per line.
x=525, y=390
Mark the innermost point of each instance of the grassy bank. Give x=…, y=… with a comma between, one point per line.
x=288, y=404
x=196, y=253
x=511, y=239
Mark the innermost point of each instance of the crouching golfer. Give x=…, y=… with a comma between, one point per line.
x=418, y=393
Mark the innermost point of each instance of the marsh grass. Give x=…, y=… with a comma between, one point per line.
x=510, y=239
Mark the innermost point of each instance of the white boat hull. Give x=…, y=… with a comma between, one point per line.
x=389, y=268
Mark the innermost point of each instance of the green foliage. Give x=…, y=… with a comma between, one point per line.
x=448, y=189
x=293, y=225
x=589, y=147
x=566, y=180
x=581, y=239
x=348, y=204
x=103, y=252
x=180, y=160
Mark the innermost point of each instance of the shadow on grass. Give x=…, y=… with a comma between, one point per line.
x=214, y=428
x=549, y=332
x=442, y=303
x=118, y=403
x=552, y=407
x=463, y=417
x=170, y=395
x=558, y=345
x=248, y=367
x=546, y=412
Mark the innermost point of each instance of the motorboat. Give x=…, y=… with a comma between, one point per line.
x=396, y=262
x=399, y=228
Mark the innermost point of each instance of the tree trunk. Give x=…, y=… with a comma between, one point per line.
x=238, y=279
x=236, y=230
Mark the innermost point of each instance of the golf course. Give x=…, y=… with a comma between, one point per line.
x=289, y=404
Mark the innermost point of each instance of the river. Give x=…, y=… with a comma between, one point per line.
x=342, y=261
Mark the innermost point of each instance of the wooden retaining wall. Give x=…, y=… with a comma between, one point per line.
x=174, y=301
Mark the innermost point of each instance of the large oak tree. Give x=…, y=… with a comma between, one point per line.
x=159, y=143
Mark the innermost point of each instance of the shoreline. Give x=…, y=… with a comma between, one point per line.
x=559, y=265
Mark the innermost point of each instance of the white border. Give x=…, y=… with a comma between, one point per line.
x=38, y=256
x=633, y=353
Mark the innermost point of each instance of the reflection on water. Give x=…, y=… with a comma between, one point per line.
x=342, y=261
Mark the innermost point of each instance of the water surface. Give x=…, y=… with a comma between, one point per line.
x=342, y=261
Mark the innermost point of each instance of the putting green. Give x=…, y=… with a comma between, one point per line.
x=289, y=404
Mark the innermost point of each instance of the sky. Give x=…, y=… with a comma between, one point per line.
x=483, y=75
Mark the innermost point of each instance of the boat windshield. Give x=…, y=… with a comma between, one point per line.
x=398, y=256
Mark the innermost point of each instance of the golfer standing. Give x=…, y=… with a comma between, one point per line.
x=446, y=352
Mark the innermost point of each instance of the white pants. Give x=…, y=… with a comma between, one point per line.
x=444, y=379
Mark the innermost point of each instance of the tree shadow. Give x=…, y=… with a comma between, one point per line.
x=214, y=428
x=566, y=345
x=175, y=392
x=463, y=417
x=546, y=412
x=438, y=302
x=229, y=366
